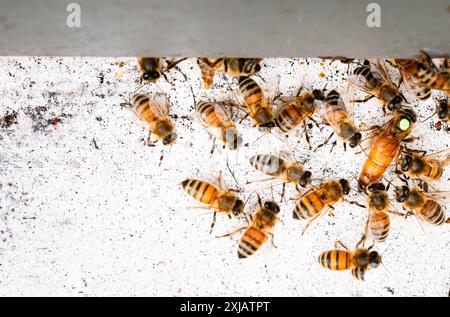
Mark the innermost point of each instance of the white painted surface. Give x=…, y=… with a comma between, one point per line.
x=75, y=220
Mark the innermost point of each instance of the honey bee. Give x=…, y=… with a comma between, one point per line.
x=232, y=66
x=359, y=260
x=261, y=227
x=318, y=201
x=283, y=167
x=219, y=199
x=216, y=116
x=295, y=110
x=375, y=80
x=255, y=105
x=378, y=223
x=151, y=68
x=423, y=73
x=386, y=145
x=336, y=114
x=155, y=114
x=421, y=166
x=425, y=205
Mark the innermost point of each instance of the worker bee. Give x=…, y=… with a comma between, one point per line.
x=376, y=82
x=425, y=205
x=151, y=68
x=421, y=72
x=217, y=116
x=219, y=199
x=385, y=146
x=282, y=166
x=318, y=201
x=155, y=113
x=359, y=260
x=261, y=227
x=336, y=115
x=255, y=105
x=424, y=167
x=295, y=110
x=378, y=223
x=232, y=66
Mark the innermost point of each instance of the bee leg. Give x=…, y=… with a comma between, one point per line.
x=361, y=242
x=317, y=124
x=339, y=243
x=357, y=204
x=259, y=200
x=331, y=211
x=243, y=118
x=149, y=141
x=213, y=222
x=213, y=146
x=299, y=91
x=283, y=192
x=271, y=240
x=403, y=179
x=363, y=100
x=345, y=147
x=306, y=135
x=409, y=140
x=324, y=143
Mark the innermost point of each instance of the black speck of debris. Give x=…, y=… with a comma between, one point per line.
x=99, y=118
x=101, y=77
x=8, y=120
x=95, y=144
x=310, y=125
x=390, y=290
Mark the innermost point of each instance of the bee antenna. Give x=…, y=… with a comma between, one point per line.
x=428, y=118
x=232, y=174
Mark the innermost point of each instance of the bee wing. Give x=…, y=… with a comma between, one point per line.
x=286, y=155
x=360, y=83
x=224, y=111
x=161, y=100
x=443, y=155
x=439, y=196
x=379, y=68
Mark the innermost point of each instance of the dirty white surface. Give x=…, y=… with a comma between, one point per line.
x=80, y=217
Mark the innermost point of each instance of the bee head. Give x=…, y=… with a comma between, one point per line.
x=394, y=103
x=345, y=186
x=170, y=138
x=318, y=94
x=355, y=139
x=442, y=110
x=376, y=186
x=272, y=206
x=402, y=193
x=238, y=207
x=151, y=75
x=305, y=179
x=374, y=259
x=406, y=162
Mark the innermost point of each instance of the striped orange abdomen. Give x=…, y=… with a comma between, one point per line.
x=433, y=169
x=289, y=117
x=336, y=260
x=308, y=206
x=432, y=212
x=209, y=116
x=251, y=240
x=201, y=191
x=251, y=92
x=379, y=224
